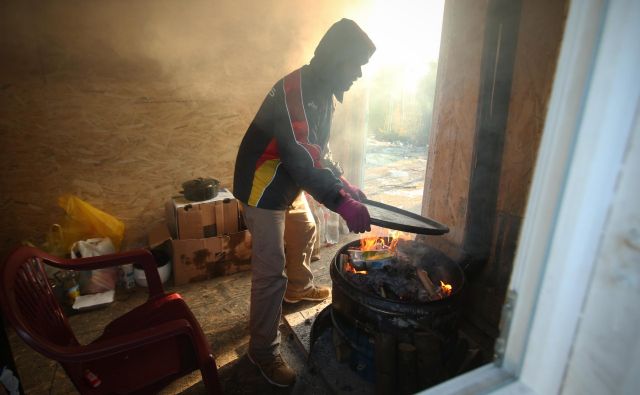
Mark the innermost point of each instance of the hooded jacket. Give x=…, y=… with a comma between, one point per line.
x=285, y=149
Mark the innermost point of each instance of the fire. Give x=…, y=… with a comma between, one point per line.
x=383, y=249
x=446, y=288
x=348, y=267
x=373, y=242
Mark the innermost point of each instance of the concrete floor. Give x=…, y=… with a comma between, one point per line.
x=221, y=305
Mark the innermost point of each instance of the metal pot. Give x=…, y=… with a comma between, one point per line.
x=200, y=189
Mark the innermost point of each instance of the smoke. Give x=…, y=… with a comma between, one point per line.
x=209, y=42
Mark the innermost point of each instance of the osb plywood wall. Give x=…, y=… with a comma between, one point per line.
x=541, y=29
x=540, y=34
x=454, y=119
x=455, y=123
x=455, y=114
x=120, y=102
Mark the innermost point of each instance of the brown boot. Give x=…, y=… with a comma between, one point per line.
x=314, y=294
x=275, y=370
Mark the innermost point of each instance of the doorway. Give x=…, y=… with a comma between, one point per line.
x=401, y=81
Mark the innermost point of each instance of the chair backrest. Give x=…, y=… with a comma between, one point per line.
x=162, y=338
x=30, y=304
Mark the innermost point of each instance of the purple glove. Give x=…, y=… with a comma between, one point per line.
x=353, y=190
x=355, y=213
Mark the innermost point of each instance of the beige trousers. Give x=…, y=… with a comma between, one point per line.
x=282, y=244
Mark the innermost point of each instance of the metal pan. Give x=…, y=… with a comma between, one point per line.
x=398, y=219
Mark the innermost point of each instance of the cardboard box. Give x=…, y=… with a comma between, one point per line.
x=197, y=220
x=205, y=258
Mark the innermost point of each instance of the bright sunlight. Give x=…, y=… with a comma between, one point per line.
x=401, y=78
x=407, y=36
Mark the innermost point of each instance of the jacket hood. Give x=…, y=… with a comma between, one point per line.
x=344, y=40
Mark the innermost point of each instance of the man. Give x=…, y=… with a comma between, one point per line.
x=283, y=153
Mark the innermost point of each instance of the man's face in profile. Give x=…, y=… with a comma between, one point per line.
x=347, y=73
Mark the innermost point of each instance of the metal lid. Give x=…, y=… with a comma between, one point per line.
x=398, y=219
x=200, y=183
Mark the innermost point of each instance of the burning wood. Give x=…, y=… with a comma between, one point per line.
x=435, y=293
x=349, y=268
x=426, y=282
x=446, y=288
x=378, y=267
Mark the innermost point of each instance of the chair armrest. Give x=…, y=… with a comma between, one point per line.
x=140, y=256
x=122, y=343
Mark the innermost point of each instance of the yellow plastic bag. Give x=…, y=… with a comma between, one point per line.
x=85, y=221
x=54, y=243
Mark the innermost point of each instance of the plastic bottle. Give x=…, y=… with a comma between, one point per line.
x=320, y=224
x=332, y=227
x=72, y=287
x=68, y=280
x=126, y=274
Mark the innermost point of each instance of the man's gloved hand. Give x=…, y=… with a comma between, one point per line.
x=353, y=190
x=355, y=213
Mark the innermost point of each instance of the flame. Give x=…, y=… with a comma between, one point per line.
x=348, y=267
x=393, y=239
x=375, y=242
x=372, y=243
x=446, y=288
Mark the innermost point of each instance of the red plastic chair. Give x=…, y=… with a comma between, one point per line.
x=139, y=352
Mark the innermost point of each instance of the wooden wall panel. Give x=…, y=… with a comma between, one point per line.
x=451, y=152
x=541, y=29
x=454, y=120
x=120, y=102
x=539, y=38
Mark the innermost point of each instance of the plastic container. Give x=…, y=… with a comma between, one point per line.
x=332, y=230
x=164, y=271
x=126, y=278
x=70, y=286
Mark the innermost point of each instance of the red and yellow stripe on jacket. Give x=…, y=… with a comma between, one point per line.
x=269, y=161
x=266, y=169
x=285, y=151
